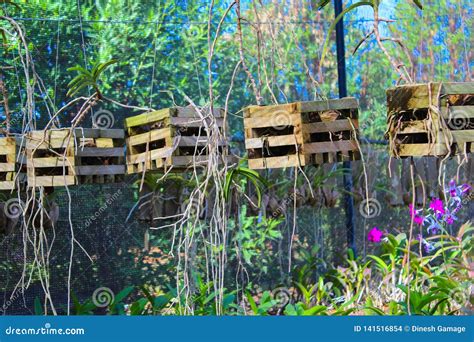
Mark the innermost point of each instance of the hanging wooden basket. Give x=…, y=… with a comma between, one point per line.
x=11, y=162
x=434, y=119
x=63, y=157
x=169, y=137
x=301, y=133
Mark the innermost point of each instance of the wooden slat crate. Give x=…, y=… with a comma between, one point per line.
x=168, y=137
x=63, y=157
x=435, y=119
x=301, y=133
x=10, y=162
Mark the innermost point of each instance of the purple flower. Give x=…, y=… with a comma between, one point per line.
x=452, y=188
x=458, y=191
x=375, y=235
x=415, y=214
x=434, y=228
x=465, y=189
x=450, y=218
x=428, y=247
x=437, y=206
x=418, y=220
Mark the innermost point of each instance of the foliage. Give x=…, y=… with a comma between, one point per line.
x=244, y=173
x=164, y=55
x=88, y=78
x=253, y=241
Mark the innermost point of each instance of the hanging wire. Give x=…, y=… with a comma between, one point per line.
x=183, y=23
x=154, y=65
x=82, y=34
x=56, y=69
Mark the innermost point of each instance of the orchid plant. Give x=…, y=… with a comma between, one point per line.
x=437, y=218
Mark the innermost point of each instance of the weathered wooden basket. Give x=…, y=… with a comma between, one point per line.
x=11, y=162
x=435, y=119
x=169, y=137
x=63, y=157
x=301, y=133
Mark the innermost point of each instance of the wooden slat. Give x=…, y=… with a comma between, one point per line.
x=7, y=141
x=150, y=155
x=185, y=141
x=7, y=149
x=267, y=122
x=151, y=136
x=299, y=107
x=100, y=152
x=458, y=88
x=79, y=133
x=463, y=136
x=190, y=112
x=7, y=185
x=51, y=143
x=334, y=126
x=147, y=118
x=84, y=170
x=192, y=122
x=6, y=167
x=408, y=127
x=104, y=142
x=49, y=134
x=253, y=111
x=51, y=181
x=462, y=112
x=419, y=150
x=50, y=162
x=336, y=104
x=96, y=133
x=330, y=146
x=408, y=97
x=277, y=162
x=411, y=96
x=281, y=140
x=188, y=160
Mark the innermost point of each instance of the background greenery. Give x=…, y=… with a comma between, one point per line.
x=162, y=49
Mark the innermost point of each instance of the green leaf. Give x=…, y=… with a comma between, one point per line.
x=290, y=310
x=418, y=4
x=122, y=295
x=38, y=307
x=323, y=3
x=374, y=310
x=138, y=307
x=315, y=310
x=426, y=300
x=228, y=300
x=252, y=303
x=147, y=294
x=383, y=266
x=87, y=77
x=253, y=176
x=160, y=302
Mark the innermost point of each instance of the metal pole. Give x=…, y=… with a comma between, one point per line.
x=341, y=81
